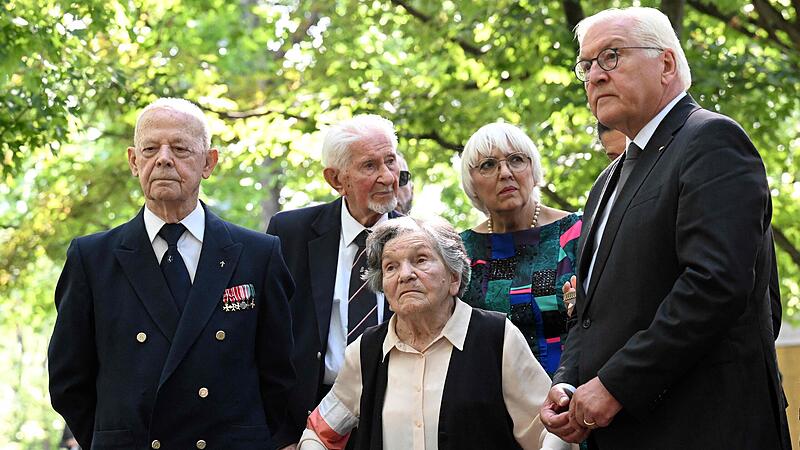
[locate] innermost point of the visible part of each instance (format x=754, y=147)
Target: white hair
x=336, y=146
x=441, y=235
x=650, y=27
x=508, y=139
x=179, y=105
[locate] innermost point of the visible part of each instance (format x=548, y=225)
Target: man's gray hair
x=650, y=27
x=179, y=105
x=443, y=239
x=339, y=138
x=508, y=139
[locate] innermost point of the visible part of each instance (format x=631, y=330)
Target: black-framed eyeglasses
x=607, y=59
x=405, y=177
x=516, y=162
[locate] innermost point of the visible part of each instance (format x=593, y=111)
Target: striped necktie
x=362, y=307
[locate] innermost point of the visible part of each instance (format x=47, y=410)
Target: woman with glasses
x=524, y=252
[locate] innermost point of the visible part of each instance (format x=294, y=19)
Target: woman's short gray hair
x=181, y=105
x=650, y=27
x=508, y=139
x=339, y=138
x=442, y=236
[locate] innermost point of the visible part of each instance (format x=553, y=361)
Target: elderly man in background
x=405, y=192
x=673, y=346
x=173, y=329
x=324, y=248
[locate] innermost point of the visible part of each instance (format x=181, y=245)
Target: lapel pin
x=169, y=258
x=222, y=264
x=661, y=148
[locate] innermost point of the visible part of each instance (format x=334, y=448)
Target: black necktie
x=172, y=265
x=631, y=156
x=362, y=307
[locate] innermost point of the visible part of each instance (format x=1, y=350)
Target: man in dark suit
x=323, y=246
x=673, y=346
x=173, y=329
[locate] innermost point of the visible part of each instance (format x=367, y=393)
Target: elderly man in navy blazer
x=173, y=329
x=324, y=248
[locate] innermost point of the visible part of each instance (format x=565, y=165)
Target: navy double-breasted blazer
x=128, y=371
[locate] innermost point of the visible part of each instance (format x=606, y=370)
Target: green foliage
x=271, y=76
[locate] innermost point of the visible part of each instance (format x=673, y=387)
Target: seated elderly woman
x=438, y=374
x=524, y=252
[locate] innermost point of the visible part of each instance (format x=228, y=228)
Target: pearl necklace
x=534, y=222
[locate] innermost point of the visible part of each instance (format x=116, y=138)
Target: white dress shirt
x=189, y=245
x=337, y=334
x=641, y=140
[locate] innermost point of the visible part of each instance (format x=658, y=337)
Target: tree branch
x=674, y=10
x=557, y=199
x=435, y=137
x=468, y=47
x=573, y=12
x=772, y=19
x=259, y=112
x=784, y=243
x=735, y=22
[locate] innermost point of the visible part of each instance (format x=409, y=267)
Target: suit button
x=587, y=322
x=155, y=444
x=319, y=356
x=220, y=335
x=203, y=392
x=201, y=444
x=141, y=337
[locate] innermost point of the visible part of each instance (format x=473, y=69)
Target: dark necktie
x=172, y=265
x=362, y=307
x=631, y=156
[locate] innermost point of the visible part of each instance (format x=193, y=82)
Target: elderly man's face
x=370, y=179
x=614, y=143
x=170, y=159
x=627, y=97
x=415, y=278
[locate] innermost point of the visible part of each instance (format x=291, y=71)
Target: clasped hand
x=590, y=407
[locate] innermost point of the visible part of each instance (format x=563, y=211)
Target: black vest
x=473, y=414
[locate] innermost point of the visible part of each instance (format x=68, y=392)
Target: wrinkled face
x=370, y=179
x=169, y=157
x=415, y=279
x=614, y=143
x=627, y=97
x=504, y=190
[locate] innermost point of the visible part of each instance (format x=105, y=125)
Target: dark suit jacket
x=676, y=321
x=310, y=243
x=118, y=388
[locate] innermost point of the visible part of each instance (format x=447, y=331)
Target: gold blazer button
x=201, y=444
x=141, y=337
x=203, y=392
x=220, y=335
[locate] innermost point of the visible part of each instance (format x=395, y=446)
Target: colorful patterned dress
x=521, y=274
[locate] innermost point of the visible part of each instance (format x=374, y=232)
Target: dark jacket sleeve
x=72, y=358
x=275, y=346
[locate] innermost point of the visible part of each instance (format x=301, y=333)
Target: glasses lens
x=517, y=162
x=582, y=68
x=607, y=59
x=487, y=166
x=404, y=177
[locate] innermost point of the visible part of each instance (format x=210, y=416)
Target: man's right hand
x=556, y=418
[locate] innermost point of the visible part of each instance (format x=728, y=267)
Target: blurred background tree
x=272, y=74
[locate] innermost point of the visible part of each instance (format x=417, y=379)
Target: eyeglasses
x=607, y=59
x=405, y=177
x=516, y=162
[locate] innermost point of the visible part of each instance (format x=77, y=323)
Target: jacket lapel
x=657, y=146
x=210, y=281
x=323, y=257
x=140, y=265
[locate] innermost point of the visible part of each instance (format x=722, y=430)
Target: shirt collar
x=351, y=227
x=195, y=222
x=647, y=132
x=455, y=330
